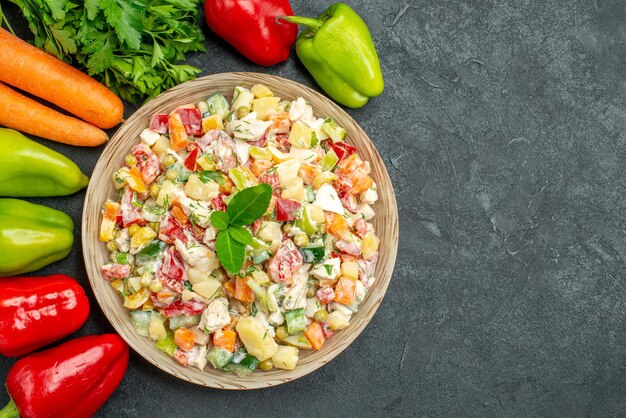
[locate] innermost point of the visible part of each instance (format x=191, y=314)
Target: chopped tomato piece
x=147, y=162
x=171, y=230
x=285, y=262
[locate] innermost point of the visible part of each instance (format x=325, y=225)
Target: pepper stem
x=10, y=410
x=314, y=24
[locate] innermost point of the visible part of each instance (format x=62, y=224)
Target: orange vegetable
x=308, y=171
x=178, y=135
x=258, y=167
x=24, y=114
x=225, y=338
x=184, y=338
x=110, y=210
x=315, y=335
x=178, y=213
x=357, y=171
x=137, y=183
x=30, y=69
x=337, y=225
x=243, y=291
x=344, y=291
x=229, y=287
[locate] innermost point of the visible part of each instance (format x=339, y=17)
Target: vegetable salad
x=240, y=234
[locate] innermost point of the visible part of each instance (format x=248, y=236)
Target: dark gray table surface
x=503, y=129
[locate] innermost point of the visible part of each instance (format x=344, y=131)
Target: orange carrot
x=225, y=338
x=26, y=115
x=344, y=291
x=230, y=288
x=31, y=69
x=315, y=335
x=243, y=291
x=184, y=338
x=178, y=213
x=337, y=225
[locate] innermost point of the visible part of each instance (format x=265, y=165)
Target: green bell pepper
x=338, y=51
x=32, y=236
x=30, y=169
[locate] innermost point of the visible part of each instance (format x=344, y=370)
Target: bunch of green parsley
x=132, y=46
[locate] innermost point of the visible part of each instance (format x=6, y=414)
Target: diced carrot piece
x=344, y=291
x=308, y=172
x=184, y=338
x=178, y=213
x=258, y=167
x=178, y=135
x=360, y=182
x=225, y=338
x=243, y=291
x=350, y=164
x=337, y=225
x=228, y=185
x=315, y=334
x=229, y=287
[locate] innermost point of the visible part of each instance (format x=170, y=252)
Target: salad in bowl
x=240, y=233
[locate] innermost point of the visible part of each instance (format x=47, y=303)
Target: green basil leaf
x=207, y=176
x=249, y=204
x=220, y=220
x=229, y=251
x=240, y=234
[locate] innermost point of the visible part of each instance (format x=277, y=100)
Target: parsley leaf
x=249, y=204
x=230, y=252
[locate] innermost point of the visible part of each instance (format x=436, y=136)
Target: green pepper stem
x=10, y=410
x=314, y=24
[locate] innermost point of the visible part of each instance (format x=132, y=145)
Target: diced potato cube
x=161, y=145
x=277, y=155
x=264, y=106
x=168, y=191
x=196, y=275
x=338, y=320
x=287, y=171
x=208, y=289
x=286, y=357
x=323, y=178
x=269, y=231
x=301, y=136
x=316, y=214
x=255, y=338
x=294, y=190
x=350, y=269
x=156, y=329
x=260, y=277
x=197, y=189
x=261, y=90
x=369, y=245
x=212, y=122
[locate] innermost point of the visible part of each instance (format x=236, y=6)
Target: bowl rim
x=138, y=343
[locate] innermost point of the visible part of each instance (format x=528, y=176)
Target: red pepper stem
x=314, y=24
x=10, y=410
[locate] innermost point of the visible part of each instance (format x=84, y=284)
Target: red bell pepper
x=251, y=27
x=71, y=380
x=35, y=311
x=286, y=209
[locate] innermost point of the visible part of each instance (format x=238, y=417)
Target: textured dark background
x=502, y=127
